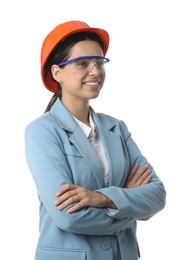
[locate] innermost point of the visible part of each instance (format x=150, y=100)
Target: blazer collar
x=68, y=123
x=63, y=116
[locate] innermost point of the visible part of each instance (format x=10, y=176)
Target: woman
x=92, y=181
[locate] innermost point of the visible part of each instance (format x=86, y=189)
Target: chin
x=93, y=96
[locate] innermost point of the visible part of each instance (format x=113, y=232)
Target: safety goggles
x=86, y=64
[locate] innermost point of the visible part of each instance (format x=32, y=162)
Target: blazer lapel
x=78, y=138
x=81, y=142
x=115, y=154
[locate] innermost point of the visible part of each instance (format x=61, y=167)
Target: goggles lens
x=86, y=64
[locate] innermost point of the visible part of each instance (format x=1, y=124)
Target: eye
x=100, y=62
x=82, y=63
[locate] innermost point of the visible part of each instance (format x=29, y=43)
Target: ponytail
x=57, y=94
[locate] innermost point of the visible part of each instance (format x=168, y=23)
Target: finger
x=134, y=168
x=143, y=168
x=65, y=196
x=147, y=180
x=68, y=202
x=143, y=178
x=64, y=189
x=76, y=207
x=77, y=201
x=140, y=172
x=133, y=171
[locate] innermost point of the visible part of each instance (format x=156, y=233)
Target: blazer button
x=106, y=245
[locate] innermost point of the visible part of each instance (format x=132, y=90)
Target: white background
x=146, y=86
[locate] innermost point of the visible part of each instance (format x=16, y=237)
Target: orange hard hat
x=58, y=34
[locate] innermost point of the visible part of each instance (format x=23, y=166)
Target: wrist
x=110, y=204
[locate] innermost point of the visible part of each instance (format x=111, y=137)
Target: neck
x=79, y=109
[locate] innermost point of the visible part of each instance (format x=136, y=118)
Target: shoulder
x=43, y=125
x=113, y=124
x=43, y=120
x=108, y=119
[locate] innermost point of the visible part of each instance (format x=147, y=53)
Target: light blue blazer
x=58, y=152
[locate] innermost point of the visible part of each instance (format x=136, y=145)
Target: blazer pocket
x=59, y=254
x=71, y=150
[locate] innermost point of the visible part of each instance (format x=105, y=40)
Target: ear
x=57, y=73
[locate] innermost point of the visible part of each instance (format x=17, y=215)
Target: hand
x=137, y=177
x=70, y=194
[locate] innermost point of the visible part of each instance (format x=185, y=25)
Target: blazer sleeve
x=139, y=203
x=49, y=169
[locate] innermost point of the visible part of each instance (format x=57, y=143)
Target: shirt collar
x=86, y=129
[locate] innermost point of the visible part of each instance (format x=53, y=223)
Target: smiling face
x=80, y=86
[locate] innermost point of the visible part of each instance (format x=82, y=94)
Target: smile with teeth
x=92, y=83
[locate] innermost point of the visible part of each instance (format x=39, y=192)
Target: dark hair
x=62, y=52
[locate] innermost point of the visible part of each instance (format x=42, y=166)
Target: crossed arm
x=80, y=197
